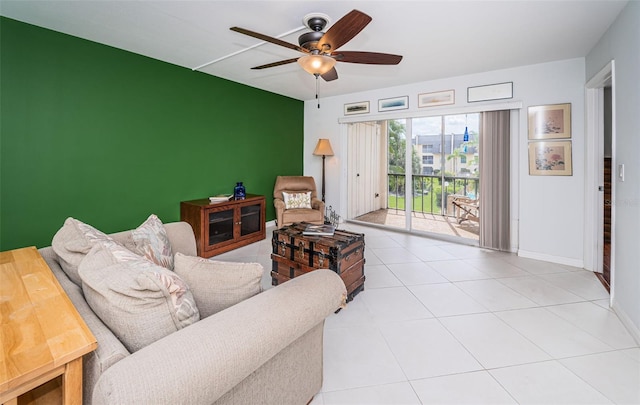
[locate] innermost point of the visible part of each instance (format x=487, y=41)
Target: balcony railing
x=429, y=193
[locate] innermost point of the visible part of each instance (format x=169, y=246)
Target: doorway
x=600, y=184
x=607, y=195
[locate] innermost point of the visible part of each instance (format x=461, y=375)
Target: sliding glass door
x=428, y=164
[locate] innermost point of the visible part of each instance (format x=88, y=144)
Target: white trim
x=408, y=189
x=626, y=321
x=614, y=165
x=394, y=115
x=550, y=258
x=602, y=77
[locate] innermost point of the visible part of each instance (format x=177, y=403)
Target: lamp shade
x=323, y=148
x=316, y=64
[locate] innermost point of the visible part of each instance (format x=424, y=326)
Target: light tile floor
x=441, y=323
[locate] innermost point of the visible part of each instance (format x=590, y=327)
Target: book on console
x=319, y=230
x=220, y=198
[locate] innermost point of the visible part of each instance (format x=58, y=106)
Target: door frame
x=594, y=173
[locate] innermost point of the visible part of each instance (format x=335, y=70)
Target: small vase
x=239, y=191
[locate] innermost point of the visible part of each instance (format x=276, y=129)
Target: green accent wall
x=109, y=137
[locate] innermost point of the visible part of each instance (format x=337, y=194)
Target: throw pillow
x=218, y=285
x=297, y=200
x=139, y=301
x=72, y=242
x=152, y=242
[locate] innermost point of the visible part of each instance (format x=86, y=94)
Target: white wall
x=549, y=209
x=622, y=44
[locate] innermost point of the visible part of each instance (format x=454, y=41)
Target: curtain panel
x=494, y=187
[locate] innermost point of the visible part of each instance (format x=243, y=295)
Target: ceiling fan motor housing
x=315, y=22
x=309, y=40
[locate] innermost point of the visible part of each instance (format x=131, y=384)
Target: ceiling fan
x=320, y=49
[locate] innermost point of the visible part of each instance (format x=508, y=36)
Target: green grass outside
x=420, y=204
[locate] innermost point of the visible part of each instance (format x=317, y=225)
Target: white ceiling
x=438, y=38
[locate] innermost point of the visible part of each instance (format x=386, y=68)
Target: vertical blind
x=494, y=187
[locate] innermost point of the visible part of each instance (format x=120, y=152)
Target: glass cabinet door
x=250, y=219
x=220, y=226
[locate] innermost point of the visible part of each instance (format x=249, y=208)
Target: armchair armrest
x=278, y=203
x=200, y=363
x=279, y=206
x=318, y=204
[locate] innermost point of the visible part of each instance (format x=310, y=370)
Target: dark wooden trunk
x=294, y=254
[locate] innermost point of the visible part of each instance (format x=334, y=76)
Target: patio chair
x=468, y=209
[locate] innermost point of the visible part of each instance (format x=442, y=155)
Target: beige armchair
x=297, y=184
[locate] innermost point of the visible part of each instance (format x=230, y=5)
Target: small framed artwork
x=550, y=121
x=490, y=92
x=361, y=107
x=550, y=158
x=436, y=98
x=395, y=103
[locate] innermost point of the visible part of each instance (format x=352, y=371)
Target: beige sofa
x=264, y=350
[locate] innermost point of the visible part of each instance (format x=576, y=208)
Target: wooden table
x=42, y=336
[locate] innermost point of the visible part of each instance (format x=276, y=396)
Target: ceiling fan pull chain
x=317, y=87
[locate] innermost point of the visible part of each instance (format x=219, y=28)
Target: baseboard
x=626, y=321
x=270, y=223
x=550, y=258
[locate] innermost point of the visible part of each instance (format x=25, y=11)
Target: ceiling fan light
x=316, y=64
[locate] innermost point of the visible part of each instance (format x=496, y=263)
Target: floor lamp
x=323, y=148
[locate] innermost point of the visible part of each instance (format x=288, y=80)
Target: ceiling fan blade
x=369, y=58
x=279, y=63
x=343, y=30
x=269, y=39
x=330, y=75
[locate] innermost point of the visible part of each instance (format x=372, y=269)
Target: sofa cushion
x=138, y=300
x=72, y=242
x=297, y=199
x=152, y=242
x=218, y=285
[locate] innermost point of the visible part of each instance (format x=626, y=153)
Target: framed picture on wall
x=396, y=103
x=550, y=121
x=550, y=158
x=490, y=92
x=436, y=98
x=361, y=107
